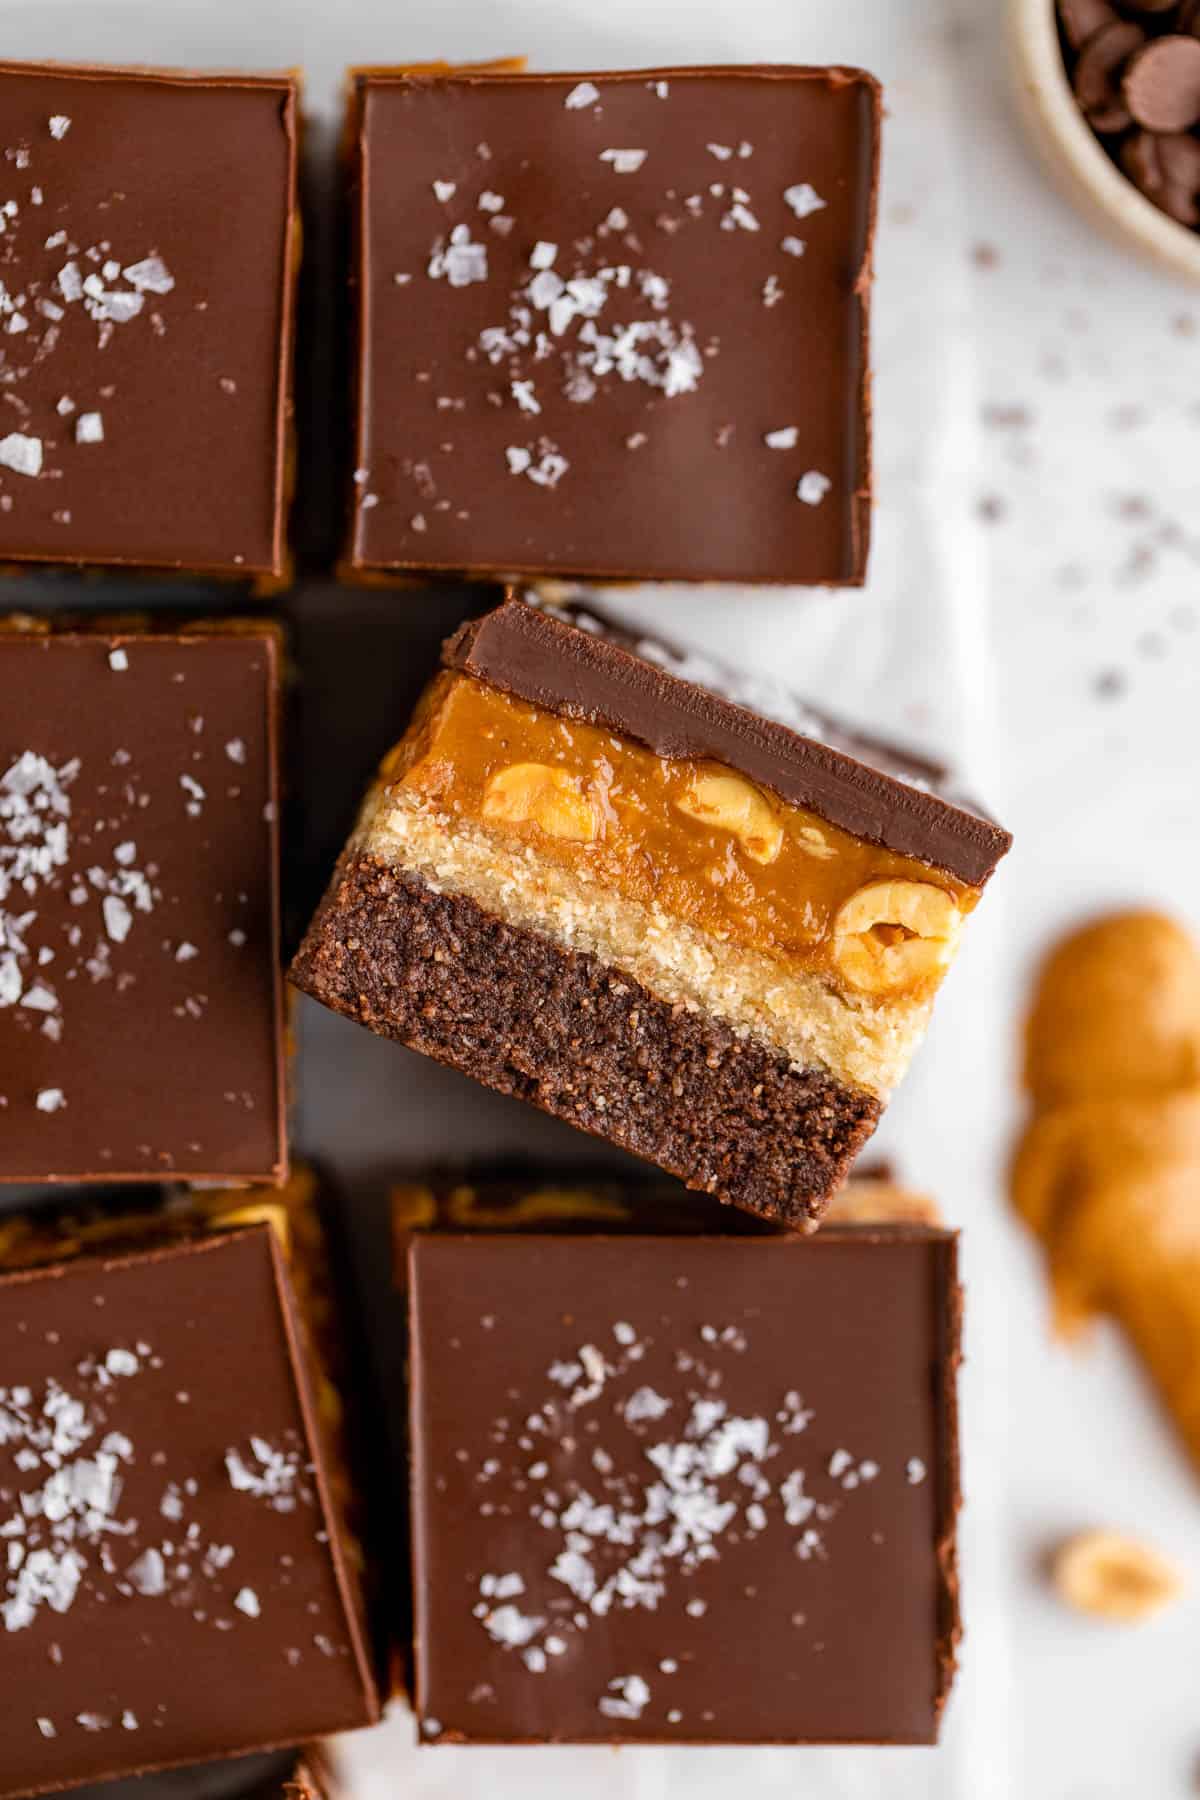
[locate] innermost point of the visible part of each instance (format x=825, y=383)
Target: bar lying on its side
x=689, y=929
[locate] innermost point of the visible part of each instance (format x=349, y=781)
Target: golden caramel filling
x=695, y=838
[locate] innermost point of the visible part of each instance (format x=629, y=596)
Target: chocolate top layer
x=149, y=253
x=589, y=675
x=279, y=1775
x=684, y=1488
x=140, y=1003
x=615, y=324
x=178, y=1592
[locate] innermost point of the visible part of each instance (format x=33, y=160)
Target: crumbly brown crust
x=583, y=1041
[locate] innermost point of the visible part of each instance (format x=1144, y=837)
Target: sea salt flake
x=445, y=190
x=585, y=93
x=722, y=152
x=785, y=438
x=624, y=162
x=50, y=1100
x=543, y=254
x=59, y=124
x=813, y=487
x=118, y=661
x=117, y=918
x=628, y=1699
x=793, y=246
x=247, y=1601
x=89, y=428
x=21, y=454
x=914, y=1470
x=150, y=276
x=803, y=199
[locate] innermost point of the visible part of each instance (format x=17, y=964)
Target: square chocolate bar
x=614, y=325
x=147, y=276
x=180, y=1580
x=140, y=993
x=684, y=1488
x=709, y=936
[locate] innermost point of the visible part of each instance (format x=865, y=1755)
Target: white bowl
x=1075, y=156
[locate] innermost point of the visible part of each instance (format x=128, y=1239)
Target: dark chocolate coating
x=243, y=1634
x=583, y=1041
x=193, y=391
x=525, y=1353
x=159, y=1026
x=280, y=1775
x=656, y=485
x=587, y=675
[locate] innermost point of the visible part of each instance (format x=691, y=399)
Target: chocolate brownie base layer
x=582, y=1041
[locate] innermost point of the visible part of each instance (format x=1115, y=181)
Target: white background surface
x=1034, y=611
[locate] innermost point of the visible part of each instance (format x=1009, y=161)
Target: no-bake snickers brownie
x=147, y=275
x=613, y=324
x=181, y=1580
x=697, y=932
x=141, y=1032
x=682, y=1488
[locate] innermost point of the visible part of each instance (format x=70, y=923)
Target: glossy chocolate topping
x=587, y=674
x=279, y=1775
x=149, y=256
x=684, y=1488
x=615, y=324
x=140, y=1006
x=177, y=1593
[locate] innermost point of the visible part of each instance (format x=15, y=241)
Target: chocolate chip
x=1082, y=19
x=1161, y=84
x=1167, y=170
x=1098, y=75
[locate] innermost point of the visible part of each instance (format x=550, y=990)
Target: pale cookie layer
x=862, y=1041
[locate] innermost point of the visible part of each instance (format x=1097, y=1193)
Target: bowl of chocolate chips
x=1111, y=93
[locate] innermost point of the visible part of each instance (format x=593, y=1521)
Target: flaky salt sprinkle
x=89, y=428
x=59, y=125
x=792, y=246
x=247, y=1601
x=118, y=661
x=624, y=162
x=445, y=190
x=914, y=1470
x=783, y=439
x=812, y=487
x=803, y=199
x=585, y=93
x=21, y=454
x=50, y=1100
x=628, y=1698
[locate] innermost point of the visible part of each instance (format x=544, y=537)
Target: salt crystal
x=803, y=199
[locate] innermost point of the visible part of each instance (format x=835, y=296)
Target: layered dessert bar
x=140, y=992
x=181, y=1581
x=147, y=275
x=638, y=298
x=702, y=934
x=681, y=1487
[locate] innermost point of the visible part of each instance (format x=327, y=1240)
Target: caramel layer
x=695, y=839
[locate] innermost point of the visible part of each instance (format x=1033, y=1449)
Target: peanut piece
x=536, y=793
x=731, y=804
x=892, y=935
x=1114, y=1577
